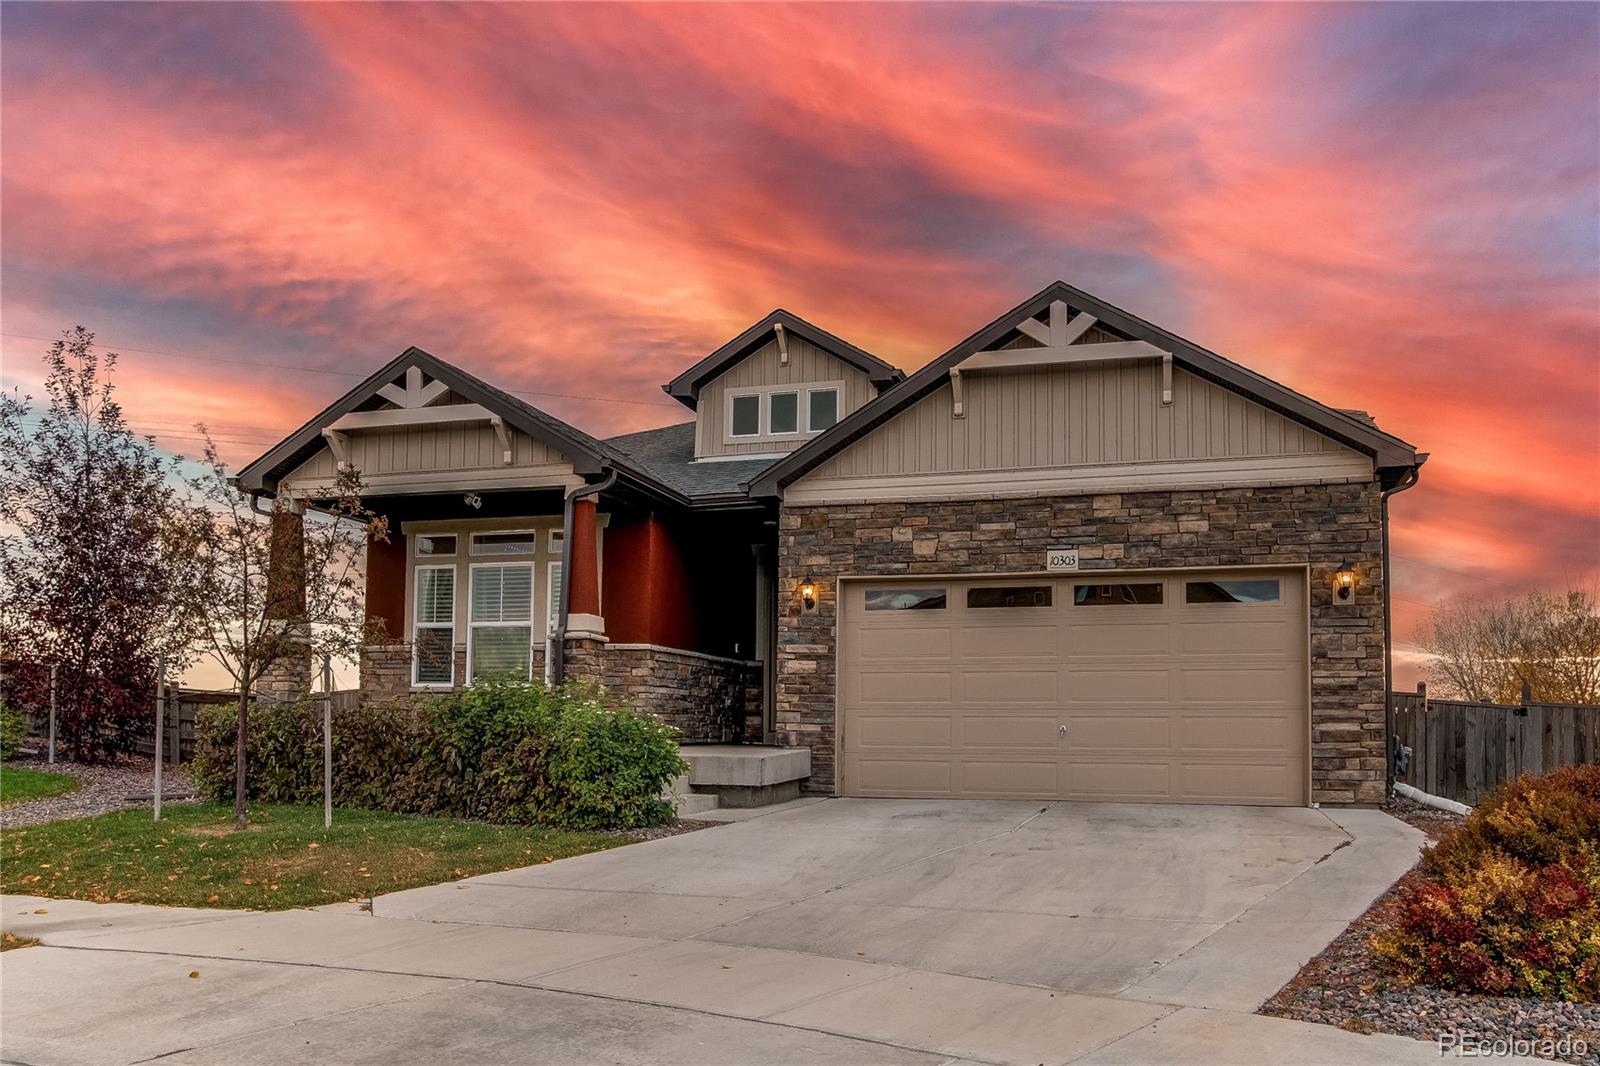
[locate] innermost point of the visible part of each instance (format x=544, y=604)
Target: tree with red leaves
x=93, y=556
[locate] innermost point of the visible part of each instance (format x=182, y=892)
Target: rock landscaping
x=106, y=788
x=1352, y=986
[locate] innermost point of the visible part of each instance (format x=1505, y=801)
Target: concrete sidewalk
x=844, y=931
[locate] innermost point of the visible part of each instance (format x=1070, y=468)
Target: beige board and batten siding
x=469, y=453
x=1077, y=428
x=1158, y=702
x=808, y=365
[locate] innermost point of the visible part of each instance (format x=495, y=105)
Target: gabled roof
x=686, y=386
x=1388, y=452
x=586, y=454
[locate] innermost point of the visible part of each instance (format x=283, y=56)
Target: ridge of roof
x=685, y=388
x=1387, y=450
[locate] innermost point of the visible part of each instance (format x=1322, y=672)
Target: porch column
x=289, y=677
x=583, y=598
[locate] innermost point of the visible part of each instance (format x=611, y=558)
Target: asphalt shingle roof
x=667, y=454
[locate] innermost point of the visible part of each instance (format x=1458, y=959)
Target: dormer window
x=782, y=412
x=746, y=420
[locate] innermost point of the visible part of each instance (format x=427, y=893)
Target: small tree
x=93, y=554
x=1487, y=650
x=251, y=620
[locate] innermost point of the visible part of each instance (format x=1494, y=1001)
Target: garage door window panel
x=1138, y=594
x=906, y=599
x=1250, y=590
x=987, y=597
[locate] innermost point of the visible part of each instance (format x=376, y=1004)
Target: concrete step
x=747, y=775
x=695, y=803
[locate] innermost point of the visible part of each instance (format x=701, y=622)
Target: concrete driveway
x=827, y=931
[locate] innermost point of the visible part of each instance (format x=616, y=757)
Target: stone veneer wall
x=706, y=697
x=1315, y=525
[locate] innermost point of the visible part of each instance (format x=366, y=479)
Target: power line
x=119, y=348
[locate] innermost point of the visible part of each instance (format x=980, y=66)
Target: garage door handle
x=1063, y=730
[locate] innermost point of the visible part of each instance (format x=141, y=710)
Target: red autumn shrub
x=1510, y=900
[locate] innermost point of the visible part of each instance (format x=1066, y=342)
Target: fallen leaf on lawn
x=44, y=866
x=209, y=899
x=313, y=844
x=172, y=877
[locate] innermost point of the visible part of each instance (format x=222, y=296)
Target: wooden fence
x=179, y=731
x=1462, y=750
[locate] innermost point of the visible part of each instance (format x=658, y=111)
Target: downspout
x=1404, y=483
x=556, y=648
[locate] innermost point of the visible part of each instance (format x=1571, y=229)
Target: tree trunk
x=239, y=746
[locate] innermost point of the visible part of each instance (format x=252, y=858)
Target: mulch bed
x=105, y=789
x=1348, y=986
x=676, y=827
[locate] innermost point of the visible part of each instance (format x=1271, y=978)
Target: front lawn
x=193, y=857
x=18, y=785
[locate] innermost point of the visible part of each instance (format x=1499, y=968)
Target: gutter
x=555, y=658
x=1406, y=481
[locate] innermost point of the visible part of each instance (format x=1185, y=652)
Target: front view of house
x=1074, y=557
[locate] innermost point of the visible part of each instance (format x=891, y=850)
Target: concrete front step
x=747, y=775
x=695, y=803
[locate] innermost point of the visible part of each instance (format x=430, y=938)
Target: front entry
x=1176, y=687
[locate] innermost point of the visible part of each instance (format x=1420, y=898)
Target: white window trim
x=838, y=398
x=802, y=391
x=416, y=548
x=555, y=540
x=416, y=600
x=531, y=623
x=472, y=543
x=550, y=569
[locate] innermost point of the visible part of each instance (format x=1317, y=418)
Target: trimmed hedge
x=1509, y=900
x=509, y=753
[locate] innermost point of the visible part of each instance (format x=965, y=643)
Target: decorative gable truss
x=418, y=401
x=1058, y=345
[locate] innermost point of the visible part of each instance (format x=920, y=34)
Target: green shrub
x=1509, y=900
x=13, y=731
x=513, y=753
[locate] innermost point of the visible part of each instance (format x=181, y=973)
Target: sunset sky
x=1390, y=207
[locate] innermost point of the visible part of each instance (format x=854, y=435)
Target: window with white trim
x=822, y=409
x=552, y=586
x=506, y=542
x=557, y=539
x=433, y=658
x=745, y=420
x=782, y=412
x=500, y=621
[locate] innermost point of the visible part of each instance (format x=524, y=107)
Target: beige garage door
x=1187, y=687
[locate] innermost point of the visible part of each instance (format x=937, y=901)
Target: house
x=1075, y=556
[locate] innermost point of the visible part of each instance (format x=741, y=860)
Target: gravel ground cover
x=105, y=789
x=657, y=832
x=1348, y=986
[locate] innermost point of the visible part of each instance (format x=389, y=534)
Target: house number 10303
x=1061, y=559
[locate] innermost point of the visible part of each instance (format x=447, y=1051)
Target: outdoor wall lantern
x=808, y=594
x=1344, y=582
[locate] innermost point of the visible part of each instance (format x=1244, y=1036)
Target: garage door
x=1187, y=687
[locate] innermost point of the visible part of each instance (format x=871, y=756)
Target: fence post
x=161, y=723
x=327, y=742
x=50, y=756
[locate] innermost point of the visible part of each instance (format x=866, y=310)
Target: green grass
x=18, y=785
x=194, y=857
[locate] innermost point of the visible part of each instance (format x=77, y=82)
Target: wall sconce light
x=1344, y=582
x=808, y=594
